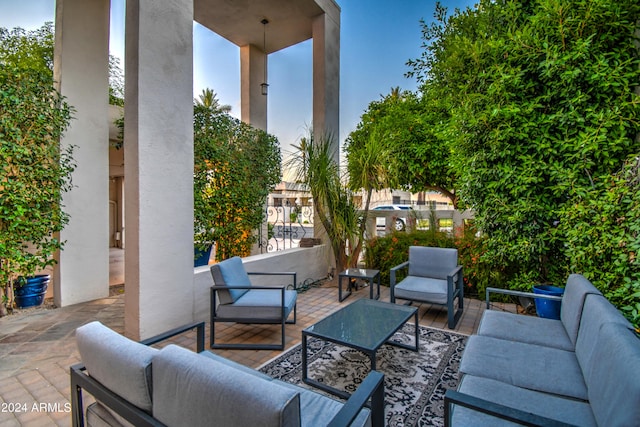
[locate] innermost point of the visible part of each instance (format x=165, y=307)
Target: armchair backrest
x=436, y=263
x=230, y=272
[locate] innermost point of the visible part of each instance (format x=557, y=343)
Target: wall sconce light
x=264, y=86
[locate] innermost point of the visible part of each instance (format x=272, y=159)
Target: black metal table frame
x=348, y=275
x=369, y=352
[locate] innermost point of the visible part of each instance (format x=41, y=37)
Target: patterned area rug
x=415, y=383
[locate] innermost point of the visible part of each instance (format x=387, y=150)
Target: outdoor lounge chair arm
x=277, y=273
x=80, y=380
x=198, y=326
x=497, y=410
x=455, y=271
x=395, y=269
x=372, y=387
x=278, y=287
x=518, y=294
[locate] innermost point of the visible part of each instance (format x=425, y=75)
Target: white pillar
x=252, y=75
x=81, y=61
x=158, y=145
x=326, y=77
x=326, y=90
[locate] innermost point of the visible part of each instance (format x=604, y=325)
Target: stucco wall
x=308, y=263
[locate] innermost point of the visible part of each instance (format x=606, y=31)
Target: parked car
x=400, y=223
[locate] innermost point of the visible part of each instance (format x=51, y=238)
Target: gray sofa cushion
x=191, y=390
x=573, y=300
x=597, y=310
x=527, y=329
x=560, y=334
x=236, y=365
x=432, y=262
x=561, y=409
x=524, y=365
x=120, y=364
x=230, y=272
x=317, y=409
x=260, y=304
x=614, y=376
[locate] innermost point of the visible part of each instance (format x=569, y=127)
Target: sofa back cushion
x=230, y=272
x=597, y=310
x=575, y=292
x=192, y=390
x=436, y=263
x=613, y=380
x=120, y=364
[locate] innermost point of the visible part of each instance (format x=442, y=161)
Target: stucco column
x=252, y=75
x=326, y=90
x=158, y=144
x=81, y=64
x=326, y=77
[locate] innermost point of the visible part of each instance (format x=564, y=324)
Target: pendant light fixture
x=264, y=86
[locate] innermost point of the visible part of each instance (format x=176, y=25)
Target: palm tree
x=334, y=205
x=208, y=99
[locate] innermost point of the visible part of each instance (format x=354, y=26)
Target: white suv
x=400, y=223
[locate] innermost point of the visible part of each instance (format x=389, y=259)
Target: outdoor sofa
x=580, y=370
x=135, y=384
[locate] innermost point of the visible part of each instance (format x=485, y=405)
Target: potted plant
x=35, y=170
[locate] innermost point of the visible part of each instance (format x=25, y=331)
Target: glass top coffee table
x=365, y=326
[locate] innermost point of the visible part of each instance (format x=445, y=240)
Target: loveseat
x=136, y=384
x=580, y=370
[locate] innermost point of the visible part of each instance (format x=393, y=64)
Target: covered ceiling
x=239, y=21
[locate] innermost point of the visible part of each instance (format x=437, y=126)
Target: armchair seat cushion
x=260, y=304
x=422, y=289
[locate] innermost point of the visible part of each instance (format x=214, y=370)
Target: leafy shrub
x=601, y=230
x=235, y=167
x=36, y=171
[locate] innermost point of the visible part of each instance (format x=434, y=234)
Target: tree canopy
x=531, y=111
x=412, y=155
x=543, y=109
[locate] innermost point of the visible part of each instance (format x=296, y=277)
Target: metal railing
x=284, y=227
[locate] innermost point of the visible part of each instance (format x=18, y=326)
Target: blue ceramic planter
x=547, y=308
x=31, y=293
x=202, y=257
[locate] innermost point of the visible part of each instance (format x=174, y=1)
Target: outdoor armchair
x=235, y=299
x=434, y=277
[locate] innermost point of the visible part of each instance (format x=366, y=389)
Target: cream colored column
x=252, y=74
x=81, y=61
x=158, y=144
x=326, y=76
x=326, y=90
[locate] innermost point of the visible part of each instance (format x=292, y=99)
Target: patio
x=38, y=346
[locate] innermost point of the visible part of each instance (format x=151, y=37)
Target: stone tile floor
x=38, y=346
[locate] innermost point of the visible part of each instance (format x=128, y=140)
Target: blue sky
x=377, y=38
